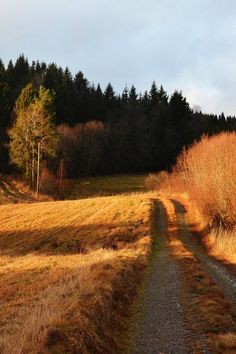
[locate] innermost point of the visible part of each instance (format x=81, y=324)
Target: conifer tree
x=125, y=95
x=109, y=93
x=179, y=107
x=162, y=96
x=133, y=94
x=153, y=94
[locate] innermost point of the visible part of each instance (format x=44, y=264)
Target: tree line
x=93, y=131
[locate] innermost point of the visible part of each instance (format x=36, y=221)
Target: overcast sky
x=182, y=44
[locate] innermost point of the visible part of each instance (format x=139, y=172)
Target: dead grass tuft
x=224, y=342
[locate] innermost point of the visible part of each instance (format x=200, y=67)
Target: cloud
x=188, y=45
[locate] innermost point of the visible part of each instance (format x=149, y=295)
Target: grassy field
x=68, y=272
x=107, y=185
x=14, y=190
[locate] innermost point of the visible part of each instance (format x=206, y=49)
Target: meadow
x=106, y=185
x=69, y=271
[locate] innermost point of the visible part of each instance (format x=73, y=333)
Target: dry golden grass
x=224, y=343
x=206, y=172
x=221, y=244
x=68, y=273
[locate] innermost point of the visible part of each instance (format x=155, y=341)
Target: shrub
x=54, y=186
x=154, y=180
x=208, y=171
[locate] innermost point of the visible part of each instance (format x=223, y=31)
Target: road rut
x=160, y=322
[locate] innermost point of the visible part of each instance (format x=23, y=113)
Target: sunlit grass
x=68, y=270
x=206, y=173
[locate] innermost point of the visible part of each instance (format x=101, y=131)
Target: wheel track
x=225, y=280
x=160, y=319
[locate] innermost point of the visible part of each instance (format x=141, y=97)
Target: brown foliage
x=55, y=186
x=206, y=172
x=154, y=180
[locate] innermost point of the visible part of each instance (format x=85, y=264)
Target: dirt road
x=165, y=320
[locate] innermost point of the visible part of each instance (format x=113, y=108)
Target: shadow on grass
x=68, y=240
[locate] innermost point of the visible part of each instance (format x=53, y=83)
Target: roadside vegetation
x=206, y=175
x=69, y=271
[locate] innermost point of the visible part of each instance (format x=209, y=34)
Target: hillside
x=12, y=191
x=81, y=277
x=15, y=190
x=67, y=270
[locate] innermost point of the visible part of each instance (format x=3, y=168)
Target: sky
x=188, y=45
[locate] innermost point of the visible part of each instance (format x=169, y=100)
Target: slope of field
x=10, y=192
x=68, y=272
x=14, y=190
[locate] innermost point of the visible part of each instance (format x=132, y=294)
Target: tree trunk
x=38, y=169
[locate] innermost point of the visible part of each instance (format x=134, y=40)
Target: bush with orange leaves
x=208, y=172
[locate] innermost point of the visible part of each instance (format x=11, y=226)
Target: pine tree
x=110, y=101
x=162, y=96
x=125, y=95
x=153, y=94
x=179, y=107
x=145, y=97
x=133, y=94
x=109, y=93
x=82, y=109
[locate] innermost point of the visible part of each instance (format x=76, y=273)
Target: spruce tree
x=125, y=95
x=109, y=93
x=153, y=94
x=133, y=94
x=162, y=96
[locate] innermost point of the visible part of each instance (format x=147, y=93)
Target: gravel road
x=160, y=326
